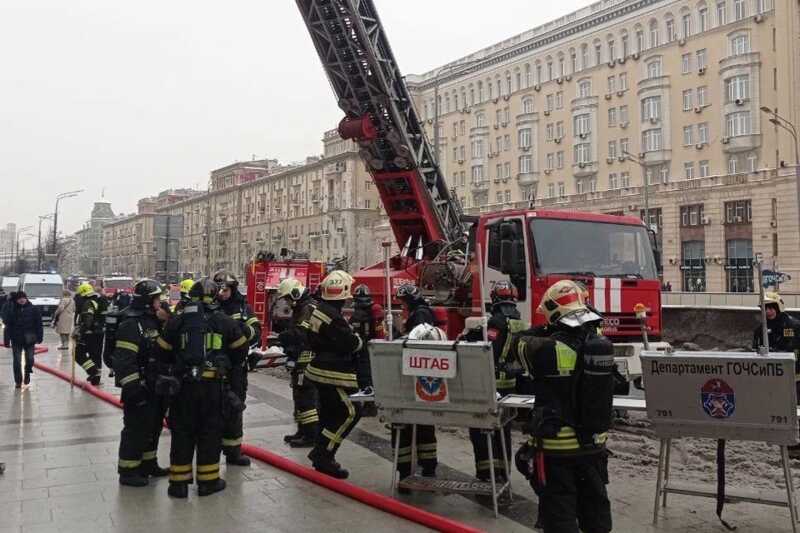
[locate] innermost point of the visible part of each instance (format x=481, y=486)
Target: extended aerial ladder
x=380, y=117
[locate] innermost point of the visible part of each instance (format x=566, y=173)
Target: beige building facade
x=579, y=112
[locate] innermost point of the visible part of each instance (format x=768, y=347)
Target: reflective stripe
x=238, y=342
x=204, y=469
x=566, y=358
x=209, y=374
x=337, y=379
x=163, y=344
x=229, y=443
x=321, y=316
x=236, y=316
x=129, y=379
x=427, y=455
x=125, y=345
x=427, y=447
x=208, y=477
x=305, y=357
x=129, y=463
x=180, y=477
x=351, y=416
x=180, y=468
x=331, y=437
x=88, y=365
x=252, y=320
x=213, y=341
x=149, y=456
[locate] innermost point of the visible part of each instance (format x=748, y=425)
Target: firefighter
x=185, y=287
x=503, y=324
x=135, y=362
x=113, y=316
x=233, y=304
x=88, y=334
x=572, y=368
x=332, y=369
x=367, y=322
x=201, y=345
x=418, y=312
x=295, y=345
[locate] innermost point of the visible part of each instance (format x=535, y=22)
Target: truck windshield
x=43, y=290
x=593, y=249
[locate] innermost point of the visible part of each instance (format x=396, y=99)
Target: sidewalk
x=60, y=448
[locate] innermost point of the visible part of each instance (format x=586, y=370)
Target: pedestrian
x=22, y=332
x=64, y=319
x=565, y=458
x=332, y=369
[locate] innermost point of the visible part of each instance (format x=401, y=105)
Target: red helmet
x=504, y=291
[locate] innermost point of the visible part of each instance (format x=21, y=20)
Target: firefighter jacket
x=92, y=318
x=237, y=308
x=136, y=348
x=572, y=370
x=293, y=338
x=367, y=321
x=334, y=345
x=419, y=313
x=222, y=342
x=504, y=323
x=784, y=336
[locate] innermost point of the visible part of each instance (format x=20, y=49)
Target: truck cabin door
x=505, y=259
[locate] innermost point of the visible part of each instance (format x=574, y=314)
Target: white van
x=43, y=290
x=9, y=284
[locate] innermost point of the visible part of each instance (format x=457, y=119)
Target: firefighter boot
x=303, y=441
x=151, y=468
x=178, y=490
x=211, y=487
x=296, y=435
x=323, y=462
x=94, y=379
x=133, y=479
x=235, y=458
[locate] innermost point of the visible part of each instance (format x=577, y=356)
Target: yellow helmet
x=565, y=302
x=774, y=298
x=291, y=287
x=336, y=286
x=186, y=286
x=85, y=289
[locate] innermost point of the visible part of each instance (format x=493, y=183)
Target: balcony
x=656, y=157
x=581, y=170
x=479, y=186
x=649, y=84
x=741, y=61
x=740, y=143
x=528, y=178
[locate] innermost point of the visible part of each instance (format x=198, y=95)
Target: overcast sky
x=131, y=98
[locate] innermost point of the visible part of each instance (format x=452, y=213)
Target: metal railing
x=722, y=300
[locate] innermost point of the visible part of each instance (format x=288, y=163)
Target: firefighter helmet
x=565, y=302
x=85, y=289
x=504, y=291
x=408, y=292
x=186, y=286
x=362, y=296
x=223, y=278
x=204, y=290
x=292, y=288
x=144, y=291
x=773, y=298
x=427, y=332
x=336, y=286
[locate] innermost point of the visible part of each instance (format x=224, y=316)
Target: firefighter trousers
x=195, y=421
x=108, y=351
x=141, y=431
x=481, y=449
x=304, y=395
x=233, y=424
x=337, y=417
x=426, y=449
x=364, y=370
x=89, y=353
x=574, y=498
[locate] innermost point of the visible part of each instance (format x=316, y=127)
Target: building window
x=562, y=190
x=688, y=135
x=740, y=44
x=560, y=100
x=722, y=13
x=583, y=153
x=701, y=96
x=613, y=181
x=612, y=149
x=612, y=52
x=670, y=30
x=738, y=212
x=651, y=108
x=582, y=125
x=737, y=88
x=702, y=19
x=654, y=37
x=551, y=190
x=651, y=140
x=598, y=54
x=739, y=265
x=527, y=105
x=612, y=117
x=623, y=81
x=612, y=84
x=693, y=266
x=625, y=46
x=687, y=25
x=480, y=120
x=704, y=169
x=477, y=148
x=550, y=162
x=525, y=164
x=524, y=138
x=688, y=170
x=702, y=58
x=573, y=62
x=477, y=174
x=560, y=159
x=584, y=89
x=625, y=180
x=739, y=9
x=584, y=56
x=692, y=215
x=654, y=68
x=686, y=63
x=737, y=124
x=623, y=146
x=702, y=133
x=752, y=163
x=688, y=99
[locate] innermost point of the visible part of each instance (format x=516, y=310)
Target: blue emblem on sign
x=719, y=400
x=431, y=389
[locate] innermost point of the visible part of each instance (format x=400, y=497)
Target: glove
x=134, y=394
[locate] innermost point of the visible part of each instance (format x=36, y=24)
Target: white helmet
x=427, y=332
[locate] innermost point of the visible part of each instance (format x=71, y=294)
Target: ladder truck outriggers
x=614, y=257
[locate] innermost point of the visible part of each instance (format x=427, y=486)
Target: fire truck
x=116, y=283
x=442, y=250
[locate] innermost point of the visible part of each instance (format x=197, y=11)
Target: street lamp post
x=646, y=185
x=60, y=197
x=39, y=254
x=16, y=255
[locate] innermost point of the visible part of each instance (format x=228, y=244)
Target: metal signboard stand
x=467, y=398
x=724, y=396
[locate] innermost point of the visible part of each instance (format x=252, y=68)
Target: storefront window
x=693, y=266
x=739, y=265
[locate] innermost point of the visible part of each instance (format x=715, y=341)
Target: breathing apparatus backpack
x=200, y=347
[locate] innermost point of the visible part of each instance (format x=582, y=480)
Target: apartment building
x=581, y=112
x=326, y=207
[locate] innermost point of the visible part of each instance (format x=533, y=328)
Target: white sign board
x=429, y=363
x=721, y=395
